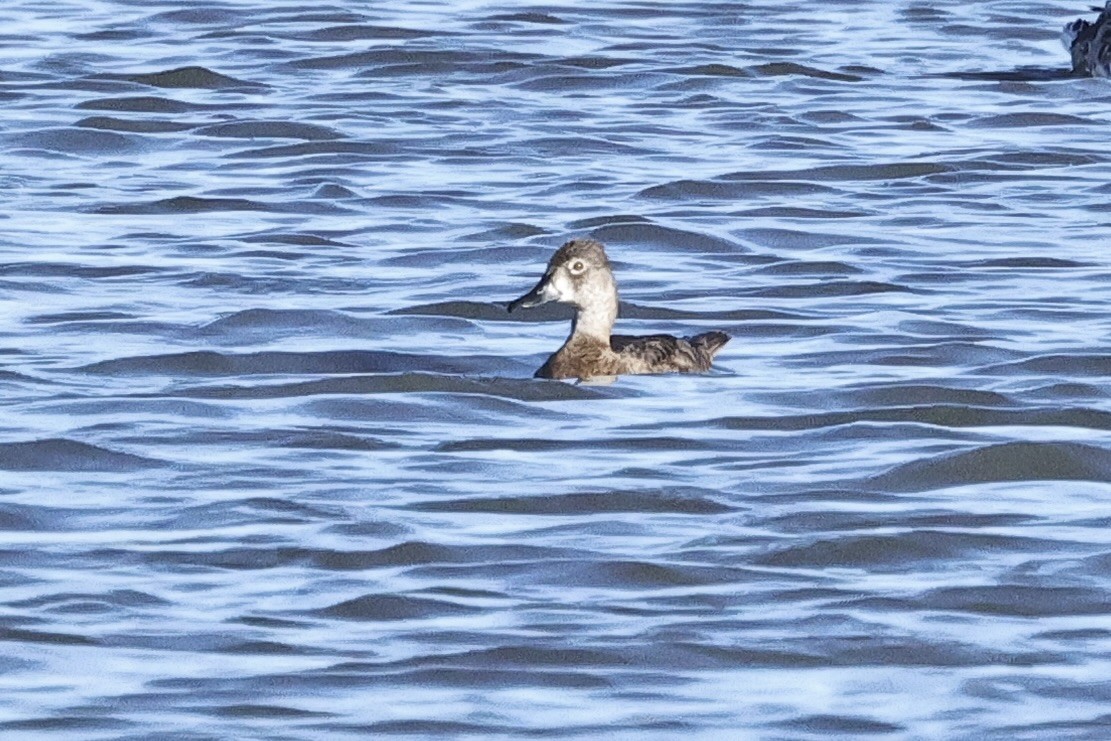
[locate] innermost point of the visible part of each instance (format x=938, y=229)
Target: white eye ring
x=577, y=267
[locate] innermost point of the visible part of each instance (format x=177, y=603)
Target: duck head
x=579, y=274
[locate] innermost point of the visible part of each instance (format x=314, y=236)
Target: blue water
x=273, y=464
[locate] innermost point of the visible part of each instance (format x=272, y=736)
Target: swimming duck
x=579, y=274
x=1090, y=44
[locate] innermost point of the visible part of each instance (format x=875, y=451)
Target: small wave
x=269, y=130
x=403, y=383
x=61, y=454
x=846, y=173
x=68, y=270
x=636, y=574
x=795, y=212
x=1028, y=120
x=598, y=62
x=390, y=607
x=934, y=329
x=921, y=395
x=283, y=438
x=425, y=61
x=497, y=255
x=555, y=146
x=833, y=288
x=824, y=522
x=354, y=149
x=20, y=517
x=300, y=239
x=784, y=143
x=114, y=35
x=793, y=239
x=1018, y=461
x=1021, y=74
x=678, y=500
x=929, y=549
x=362, y=32
x=332, y=192
x=79, y=316
x=645, y=235
x=1042, y=158
x=258, y=711
x=21, y=378
x=185, y=77
x=212, y=363
x=615, y=219
x=146, y=126
x=78, y=141
x=88, y=601
x=413, y=371
x=939, y=354
x=286, y=320
x=732, y=191
x=411, y=554
x=709, y=70
x=1016, y=600
x=205, y=16
x=264, y=509
x=1071, y=391
x=141, y=104
x=1030, y=262
x=955, y=415
x=537, y=17
x=508, y=232
x=808, y=268
x=1059, y=365
x=781, y=69
x=537, y=444
x=840, y=726
x=187, y=205
x=46, y=637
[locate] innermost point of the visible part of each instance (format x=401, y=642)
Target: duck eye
x=577, y=266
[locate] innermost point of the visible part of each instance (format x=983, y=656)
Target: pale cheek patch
x=562, y=286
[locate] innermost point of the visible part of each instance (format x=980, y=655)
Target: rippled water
x=272, y=462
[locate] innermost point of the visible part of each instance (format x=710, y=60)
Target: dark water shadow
x=1019, y=74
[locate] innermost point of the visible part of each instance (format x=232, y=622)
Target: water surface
x=272, y=462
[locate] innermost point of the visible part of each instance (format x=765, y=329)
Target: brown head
x=579, y=274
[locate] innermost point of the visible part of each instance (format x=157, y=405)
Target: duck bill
x=541, y=293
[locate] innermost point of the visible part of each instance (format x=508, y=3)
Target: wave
x=217, y=364
x=184, y=77
x=268, y=130
x=676, y=500
x=79, y=141
x=1015, y=461
x=61, y=454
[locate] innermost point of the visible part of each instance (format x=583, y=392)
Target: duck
x=580, y=274
x=1089, y=42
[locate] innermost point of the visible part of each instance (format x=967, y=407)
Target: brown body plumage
x=580, y=274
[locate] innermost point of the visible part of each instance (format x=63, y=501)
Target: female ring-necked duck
x=1089, y=42
x=579, y=274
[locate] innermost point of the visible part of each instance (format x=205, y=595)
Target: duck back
x=662, y=353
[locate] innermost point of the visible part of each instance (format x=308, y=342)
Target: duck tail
x=709, y=343
x=1071, y=32
x=1089, y=42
